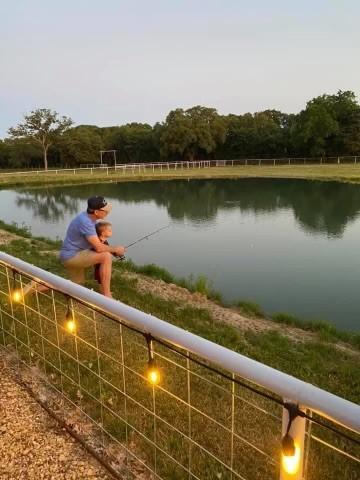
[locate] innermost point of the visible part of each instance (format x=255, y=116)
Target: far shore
x=339, y=173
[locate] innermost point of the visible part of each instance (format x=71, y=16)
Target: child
x=104, y=231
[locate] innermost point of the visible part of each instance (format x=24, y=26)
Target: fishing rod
x=145, y=237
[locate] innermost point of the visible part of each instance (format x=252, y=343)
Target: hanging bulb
x=290, y=455
x=288, y=446
x=70, y=323
x=16, y=296
x=153, y=373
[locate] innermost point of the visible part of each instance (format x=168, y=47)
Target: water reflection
x=48, y=204
x=319, y=207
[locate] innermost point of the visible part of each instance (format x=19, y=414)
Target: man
x=82, y=248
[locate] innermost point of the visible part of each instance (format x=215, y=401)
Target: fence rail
x=167, y=166
x=176, y=405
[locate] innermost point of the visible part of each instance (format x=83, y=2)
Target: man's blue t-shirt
x=81, y=227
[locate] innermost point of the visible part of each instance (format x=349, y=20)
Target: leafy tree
x=43, y=127
x=329, y=125
x=135, y=142
x=193, y=132
x=80, y=145
x=4, y=154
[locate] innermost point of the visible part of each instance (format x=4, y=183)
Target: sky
x=111, y=62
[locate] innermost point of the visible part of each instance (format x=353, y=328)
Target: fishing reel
x=119, y=258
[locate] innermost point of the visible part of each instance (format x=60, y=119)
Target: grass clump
x=22, y=230
x=326, y=331
x=200, y=284
x=251, y=309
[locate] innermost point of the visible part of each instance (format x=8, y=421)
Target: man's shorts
x=76, y=265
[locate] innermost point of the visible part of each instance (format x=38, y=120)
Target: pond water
x=289, y=245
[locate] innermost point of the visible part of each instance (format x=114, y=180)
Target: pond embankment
x=310, y=355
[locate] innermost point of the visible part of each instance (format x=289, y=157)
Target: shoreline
x=337, y=173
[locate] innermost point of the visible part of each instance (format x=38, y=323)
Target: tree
x=135, y=142
x=328, y=126
x=80, y=145
x=193, y=132
x=41, y=126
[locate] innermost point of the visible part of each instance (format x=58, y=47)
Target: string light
x=291, y=458
x=153, y=374
x=70, y=323
x=16, y=296
x=16, y=293
x=291, y=454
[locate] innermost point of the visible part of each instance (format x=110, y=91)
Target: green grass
x=344, y=173
x=250, y=309
x=199, y=284
x=327, y=331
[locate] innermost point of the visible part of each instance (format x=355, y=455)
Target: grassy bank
x=316, y=361
x=326, y=331
x=320, y=353
x=343, y=173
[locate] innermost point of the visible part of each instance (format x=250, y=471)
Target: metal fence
x=164, y=167
x=164, y=403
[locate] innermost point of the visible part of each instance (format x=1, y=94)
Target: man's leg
x=86, y=259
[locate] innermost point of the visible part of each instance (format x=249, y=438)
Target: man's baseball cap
x=99, y=203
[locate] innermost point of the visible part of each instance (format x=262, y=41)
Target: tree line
x=329, y=125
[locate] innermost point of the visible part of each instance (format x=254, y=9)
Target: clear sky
x=109, y=62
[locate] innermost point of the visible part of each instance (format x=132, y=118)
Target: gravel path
x=33, y=446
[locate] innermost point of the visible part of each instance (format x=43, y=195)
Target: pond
x=289, y=245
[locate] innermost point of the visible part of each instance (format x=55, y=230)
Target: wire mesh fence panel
x=188, y=419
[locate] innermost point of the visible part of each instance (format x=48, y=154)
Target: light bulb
x=70, y=323
x=17, y=296
x=291, y=463
x=70, y=326
x=153, y=373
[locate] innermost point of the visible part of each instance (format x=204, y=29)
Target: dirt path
x=32, y=445
x=7, y=237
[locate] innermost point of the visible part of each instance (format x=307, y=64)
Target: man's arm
x=101, y=247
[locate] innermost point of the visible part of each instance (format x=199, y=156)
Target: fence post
x=338, y=160
x=355, y=159
x=291, y=466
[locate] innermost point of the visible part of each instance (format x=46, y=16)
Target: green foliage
x=191, y=133
x=198, y=284
x=250, y=309
x=80, y=145
x=22, y=230
x=326, y=330
x=42, y=126
x=328, y=126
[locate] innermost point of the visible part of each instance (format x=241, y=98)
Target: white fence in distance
x=164, y=167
